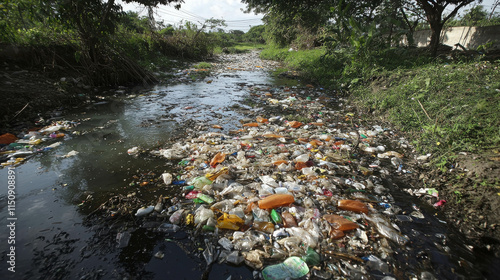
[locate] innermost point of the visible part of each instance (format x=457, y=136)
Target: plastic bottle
x=291, y=268
x=176, y=217
x=35, y=142
x=340, y=223
x=278, y=162
x=295, y=124
x=192, y=194
x=213, y=176
x=302, y=158
x=263, y=226
x=353, y=205
x=336, y=234
x=205, y=198
x=300, y=165
x=167, y=178
x=179, y=182
x=218, y=158
x=288, y=220
x=260, y=215
x=261, y=119
x=251, y=124
x=202, y=215
x=144, y=211
x=200, y=182
x=271, y=135
x=312, y=258
x=276, y=217
x=229, y=221
x=276, y=200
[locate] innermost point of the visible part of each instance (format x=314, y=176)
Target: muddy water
x=54, y=193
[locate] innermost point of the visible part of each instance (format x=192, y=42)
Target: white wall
x=468, y=36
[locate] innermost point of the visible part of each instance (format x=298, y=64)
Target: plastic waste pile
x=16, y=149
x=288, y=198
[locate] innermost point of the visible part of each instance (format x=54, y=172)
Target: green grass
x=313, y=65
x=202, y=65
x=445, y=106
x=450, y=107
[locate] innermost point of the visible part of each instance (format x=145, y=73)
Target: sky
x=198, y=11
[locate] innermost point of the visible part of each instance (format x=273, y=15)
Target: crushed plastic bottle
x=276, y=200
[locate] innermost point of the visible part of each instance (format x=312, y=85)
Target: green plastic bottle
x=276, y=217
x=312, y=258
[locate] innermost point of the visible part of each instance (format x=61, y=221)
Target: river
x=54, y=193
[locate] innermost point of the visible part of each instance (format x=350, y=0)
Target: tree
x=434, y=11
x=255, y=34
x=475, y=15
x=293, y=20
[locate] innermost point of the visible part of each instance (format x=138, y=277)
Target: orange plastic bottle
x=336, y=234
x=294, y=124
x=251, y=124
x=340, y=223
x=218, y=158
x=299, y=165
x=353, y=205
x=261, y=119
x=315, y=142
x=279, y=162
x=276, y=200
x=270, y=135
x=317, y=123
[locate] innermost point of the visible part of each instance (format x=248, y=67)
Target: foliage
x=453, y=106
x=292, y=22
x=255, y=34
x=476, y=16
x=203, y=65
x=434, y=11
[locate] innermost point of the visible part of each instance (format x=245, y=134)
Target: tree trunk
x=436, y=28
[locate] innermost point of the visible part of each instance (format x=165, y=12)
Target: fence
x=470, y=37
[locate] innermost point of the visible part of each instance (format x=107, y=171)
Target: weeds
x=203, y=65
x=448, y=106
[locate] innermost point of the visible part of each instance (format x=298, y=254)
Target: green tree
x=434, y=11
x=255, y=34
x=475, y=15
x=289, y=21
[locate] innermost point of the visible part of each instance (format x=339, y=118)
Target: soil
x=30, y=94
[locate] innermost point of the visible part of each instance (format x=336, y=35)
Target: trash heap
x=288, y=198
x=16, y=149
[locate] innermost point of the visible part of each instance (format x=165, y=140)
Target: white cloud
x=197, y=10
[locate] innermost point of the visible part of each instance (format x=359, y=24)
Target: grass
x=448, y=107
x=202, y=65
x=445, y=106
x=313, y=64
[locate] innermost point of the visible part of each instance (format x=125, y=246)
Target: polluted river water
x=77, y=205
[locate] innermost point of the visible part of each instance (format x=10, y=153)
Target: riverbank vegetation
x=102, y=44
